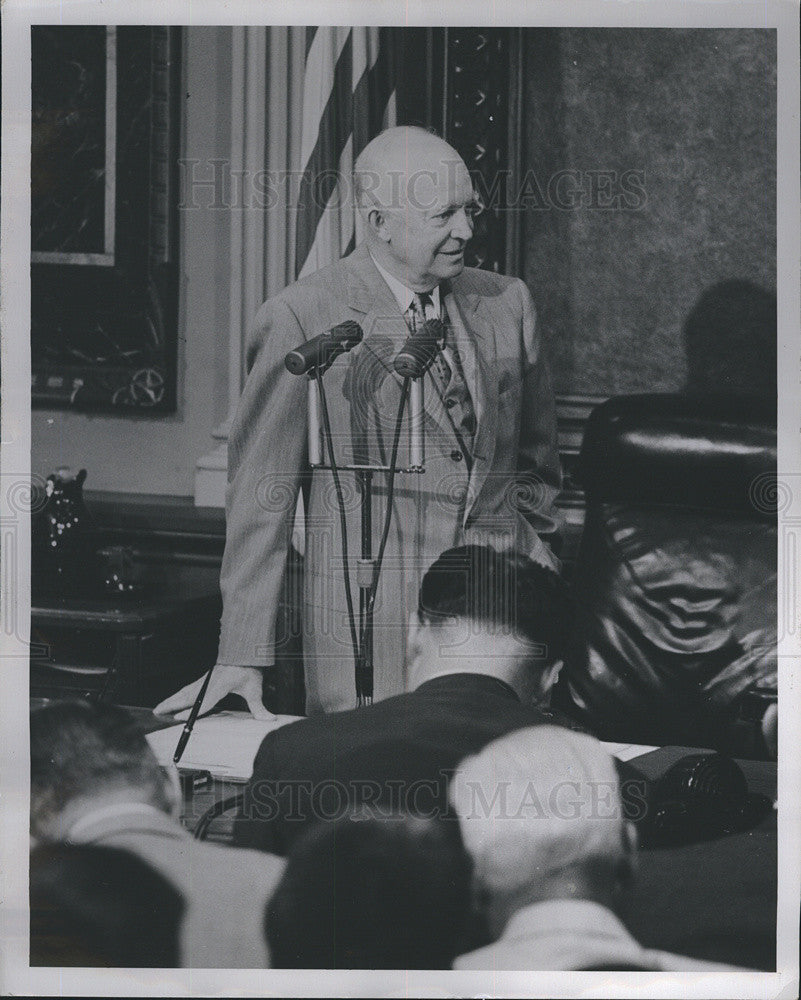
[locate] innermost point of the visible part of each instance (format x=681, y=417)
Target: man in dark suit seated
x=485, y=649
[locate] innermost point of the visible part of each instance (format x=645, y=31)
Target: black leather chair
x=675, y=578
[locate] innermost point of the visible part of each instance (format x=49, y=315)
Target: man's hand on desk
x=225, y=679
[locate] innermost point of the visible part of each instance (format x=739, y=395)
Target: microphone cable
x=342, y=518
x=393, y=463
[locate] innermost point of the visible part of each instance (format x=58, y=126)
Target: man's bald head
x=397, y=161
x=416, y=198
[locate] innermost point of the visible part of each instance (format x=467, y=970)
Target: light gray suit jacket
x=501, y=494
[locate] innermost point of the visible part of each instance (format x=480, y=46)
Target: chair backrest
x=675, y=578
x=230, y=803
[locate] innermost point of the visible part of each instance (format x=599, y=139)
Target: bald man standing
x=491, y=462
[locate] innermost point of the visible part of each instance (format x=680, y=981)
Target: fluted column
x=266, y=88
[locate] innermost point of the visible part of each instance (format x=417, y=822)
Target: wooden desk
x=130, y=652
x=714, y=900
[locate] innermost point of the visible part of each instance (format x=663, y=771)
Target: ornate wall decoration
x=481, y=86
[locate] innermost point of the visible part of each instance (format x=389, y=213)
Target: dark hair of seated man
x=492, y=612
x=101, y=907
x=372, y=894
x=501, y=588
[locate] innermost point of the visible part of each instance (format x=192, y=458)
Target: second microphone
x=420, y=350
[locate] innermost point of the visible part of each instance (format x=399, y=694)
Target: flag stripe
x=319, y=176
x=346, y=207
x=361, y=109
x=311, y=30
x=324, y=57
x=390, y=112
x=334, y=231
x=382, y=83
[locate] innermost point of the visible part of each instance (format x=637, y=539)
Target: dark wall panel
x=617, y=262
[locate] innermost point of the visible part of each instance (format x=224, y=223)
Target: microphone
x=413, y=361
x=418, y=353
x=321, y=351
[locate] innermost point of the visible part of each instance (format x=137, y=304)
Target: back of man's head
x=372, y=894
x=541, y=816
x=83, y=753
x=481, y=610
x=100, y=906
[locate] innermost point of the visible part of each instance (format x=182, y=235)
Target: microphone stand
x=364, y=579
x=368, y=569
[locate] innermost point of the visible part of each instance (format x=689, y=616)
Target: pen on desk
x=190, y=722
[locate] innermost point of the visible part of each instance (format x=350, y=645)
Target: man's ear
x=552, y=673
x=547, y=679
x=172, y=790
x=377, y=223
x=629, y=859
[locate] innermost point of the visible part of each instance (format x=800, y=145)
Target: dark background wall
x=616, y=275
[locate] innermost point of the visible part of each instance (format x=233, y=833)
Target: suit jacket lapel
x=476, y=342
x=368, y=293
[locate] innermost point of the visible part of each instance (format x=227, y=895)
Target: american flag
x=348, y=97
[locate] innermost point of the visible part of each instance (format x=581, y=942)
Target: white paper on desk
x=628, y=751
x=225, y=744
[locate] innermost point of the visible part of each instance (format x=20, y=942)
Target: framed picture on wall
x=74, y=147
x=104, y=266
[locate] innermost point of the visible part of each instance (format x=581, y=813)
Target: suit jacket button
x=456, y=455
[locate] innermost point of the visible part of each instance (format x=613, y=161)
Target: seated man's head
x=84, y=756
x=388, y=893
x=542, y=818
x=489, y=612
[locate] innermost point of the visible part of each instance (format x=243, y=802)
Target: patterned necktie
x=422, y=309
x=449, y=376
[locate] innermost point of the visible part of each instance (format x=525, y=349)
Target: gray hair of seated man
x=539, y=808
x=82, y=752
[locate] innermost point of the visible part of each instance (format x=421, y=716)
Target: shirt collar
x=566, y=934
x=116, y=811
x=405, y=296
x=554, y=917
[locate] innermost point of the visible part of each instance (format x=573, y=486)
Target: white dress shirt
x=405, y=296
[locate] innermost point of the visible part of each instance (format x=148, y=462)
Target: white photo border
x=15, y=975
